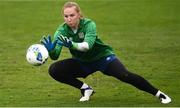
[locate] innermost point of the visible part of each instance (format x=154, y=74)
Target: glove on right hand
x=46, y=41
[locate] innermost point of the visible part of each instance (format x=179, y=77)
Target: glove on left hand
x=64, y=41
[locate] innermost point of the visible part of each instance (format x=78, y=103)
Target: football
x=37, y=54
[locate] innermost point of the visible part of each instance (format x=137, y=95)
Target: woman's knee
x=55, y=70
x=52, y=70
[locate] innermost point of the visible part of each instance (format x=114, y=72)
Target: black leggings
x=67, y=71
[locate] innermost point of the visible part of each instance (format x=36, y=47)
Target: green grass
x=143, y=33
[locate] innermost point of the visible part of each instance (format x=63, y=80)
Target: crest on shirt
x=81, y=35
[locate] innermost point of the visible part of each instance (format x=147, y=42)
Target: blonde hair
x=71, y=4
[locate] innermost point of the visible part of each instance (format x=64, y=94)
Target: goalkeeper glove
x=64, y=41
x=46, y=41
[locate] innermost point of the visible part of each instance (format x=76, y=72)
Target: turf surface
x=144, y=34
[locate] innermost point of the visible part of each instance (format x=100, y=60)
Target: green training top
x=86, y=33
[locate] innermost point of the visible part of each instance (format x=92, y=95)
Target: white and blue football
x=37, y=54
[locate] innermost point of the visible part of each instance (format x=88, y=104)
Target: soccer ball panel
x=37, y=54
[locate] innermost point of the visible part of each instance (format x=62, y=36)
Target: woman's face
x=71, y=17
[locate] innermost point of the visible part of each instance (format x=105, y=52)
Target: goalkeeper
x=89, y=54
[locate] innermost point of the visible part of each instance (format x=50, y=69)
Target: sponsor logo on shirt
x=70, y=38
x=81, y=35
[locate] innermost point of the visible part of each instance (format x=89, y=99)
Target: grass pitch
x=144, y=34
